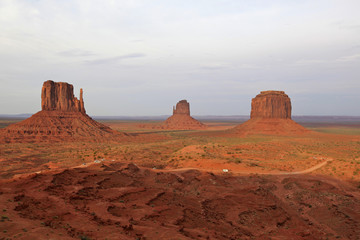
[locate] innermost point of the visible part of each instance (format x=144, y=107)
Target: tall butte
x=270, y=114
x=181, y=118
x=60, y=96
x=63, y=117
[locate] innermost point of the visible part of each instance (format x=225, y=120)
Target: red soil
x=269, y=126
x=122, y=201
x=182, y=122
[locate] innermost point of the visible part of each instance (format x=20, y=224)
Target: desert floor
x=207, y=149
x=203, y=184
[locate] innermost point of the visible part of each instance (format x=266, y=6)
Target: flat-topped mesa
x=182, y=107
x=271, y=104
x=59, y=96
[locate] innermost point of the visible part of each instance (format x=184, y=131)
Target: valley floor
x=172, y=184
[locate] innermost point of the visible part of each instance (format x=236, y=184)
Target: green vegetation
x=84, y=238
x=338, y=130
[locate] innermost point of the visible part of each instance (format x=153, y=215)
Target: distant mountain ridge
x=20, y=116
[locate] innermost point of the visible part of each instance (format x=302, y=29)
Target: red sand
x=183, y=122
x=269, y=126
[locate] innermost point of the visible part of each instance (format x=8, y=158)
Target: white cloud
x=115, y=59
x=349, y=58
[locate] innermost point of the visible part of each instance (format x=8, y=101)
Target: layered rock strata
x=270, y=114
x=62, y=117
x=271, y=104
x=60, y=96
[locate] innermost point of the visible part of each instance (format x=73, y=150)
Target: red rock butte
x=62, y=117
x=271, y=104
x=182, y=107
x=181, y=118
x=270, y=114
x=60, y=96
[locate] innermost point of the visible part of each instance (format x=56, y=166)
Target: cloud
x=114, y=59
x=214, y=66
x=179, y=49
x=137, y=40
x=343, y=25
x=303, y=62
x=350, y=58
x=76, y=53
x=221, y=66
x=248, y=66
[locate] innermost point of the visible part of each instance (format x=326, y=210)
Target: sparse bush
x=84, y=238
x=237, y=161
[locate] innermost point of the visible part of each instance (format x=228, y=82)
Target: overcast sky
x=140, y=57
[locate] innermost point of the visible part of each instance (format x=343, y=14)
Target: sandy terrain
x=169, y=184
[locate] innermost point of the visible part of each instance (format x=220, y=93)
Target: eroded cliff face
x=62, y=118
x=270, y=114
x=59, y=96
x=182, y=107
x=271, y=104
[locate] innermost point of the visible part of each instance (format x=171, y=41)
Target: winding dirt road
x=309, y=170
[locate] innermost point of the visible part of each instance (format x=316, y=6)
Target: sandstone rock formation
x=182, y=107
x=181, y=118
x=271, y=104
x=62, y=117
x=270, y=114
x=60, y=96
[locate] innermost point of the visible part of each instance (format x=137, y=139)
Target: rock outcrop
x=62, y=118
x=270, y=114
x=181, y=118
x=60, y=96
x=182, y=107
x=271, y=104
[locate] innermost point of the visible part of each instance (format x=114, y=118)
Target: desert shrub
x=84, y=238
x=237, y=161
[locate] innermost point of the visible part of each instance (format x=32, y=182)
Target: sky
x=140, y=57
